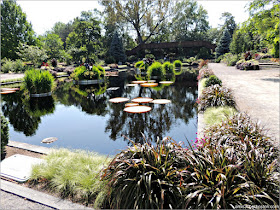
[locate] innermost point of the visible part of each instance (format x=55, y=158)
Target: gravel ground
x=11, y=76
x=256, y=92
x=11, y=201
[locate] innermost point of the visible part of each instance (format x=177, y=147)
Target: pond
x=81, y=117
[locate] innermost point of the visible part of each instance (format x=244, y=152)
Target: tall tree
x=223, y=45
x=86, y=35
x=189, y=21
x=15, y=29
x=229, y=22
x=116, y=48
x=144, y=16
x=53, y=45
x=62, y=30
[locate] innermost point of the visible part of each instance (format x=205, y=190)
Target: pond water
x=81, y=117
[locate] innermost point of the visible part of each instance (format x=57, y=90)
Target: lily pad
x=137, y=109
x=118, y=100
x=131, y=104
x=142, y=100
x=149, y=84
x=161, y=101
x=7, y=92
x=139, y=82
x=131, y=85
x=166, y=82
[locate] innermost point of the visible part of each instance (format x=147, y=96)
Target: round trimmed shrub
x=4, y=136
x=139, y=64
x=146, y=176
x=156, y=69
x=213, y=80
x=82, y=73
x=215, y=95
x=38, y=81
x=177, y=63
x=168, y=67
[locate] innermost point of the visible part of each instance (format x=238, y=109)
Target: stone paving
x=255, y=92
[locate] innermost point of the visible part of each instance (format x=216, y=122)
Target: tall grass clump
x=38, y=81
x=146, y=176
x=73, y=175
x=156, y=69
x=213, y=115
x=168, y=67
x=215, y=95
x=82, y=73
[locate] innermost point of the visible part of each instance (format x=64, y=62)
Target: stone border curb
x=39, y=197
x=200, y=118
x=29, y=147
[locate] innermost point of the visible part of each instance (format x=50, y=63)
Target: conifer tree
x=223, y=45
x=116, y=49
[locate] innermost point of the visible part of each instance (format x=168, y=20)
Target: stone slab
x=18, y=167
x=29, y=147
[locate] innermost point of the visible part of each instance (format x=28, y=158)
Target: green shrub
x=82, y=73
x=109, y=60
x=4, y=136
x=73, y=175
x=139, y=64
x=151, y=56
x=19, y=65
x=156, y=69
x=215, y=115
x=38, y=81
x=132, y=58
x=215, y=95
x=177, y=63
x=212, y=80
x=145, y=176
x=7, y=66
x=230, y=59
x=168, y=67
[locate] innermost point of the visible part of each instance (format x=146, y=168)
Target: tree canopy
x=15, y=29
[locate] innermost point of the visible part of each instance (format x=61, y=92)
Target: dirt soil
x=256, y=93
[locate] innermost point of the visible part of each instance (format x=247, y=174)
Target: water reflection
x=25, y=114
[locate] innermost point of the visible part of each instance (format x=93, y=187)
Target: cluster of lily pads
x=134, y=106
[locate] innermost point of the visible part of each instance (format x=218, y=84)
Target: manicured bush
x=4, y=136
x=177, y=63
x=156, y=69
x=168, y=67
x=82, y=73
x=71, y=174
x=215, y=95
x=146, y=176
x=204, y=73
x=38, y=81
x=212, y=80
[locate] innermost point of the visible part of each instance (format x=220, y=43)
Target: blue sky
x=44, y=14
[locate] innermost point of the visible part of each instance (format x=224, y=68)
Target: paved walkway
x=10, y=76
x=255, y=92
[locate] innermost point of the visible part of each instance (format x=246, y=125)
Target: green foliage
x=139, y=64
x=73, y=175
x=110, y=60
x=116, y=49
x=230, y=59
x=33, y=54
x=15, y=29
x=4, y=135
x=156, y=69
x=215, y=115
x=151, y=56
x=215, y=95
x=223, y=45
x=12, y=66
x=168, y=67
x=53, y=45
x=102, y=71
x=131, y=58
x=177, y=63
x=38, y=81
x=212, y=80
x=82, y=73
x=145, y=176
x=229, y=23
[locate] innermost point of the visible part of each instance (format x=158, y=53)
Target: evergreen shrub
x=212, y=80
x=177, y=63
x=156, y=69
x=168, y=67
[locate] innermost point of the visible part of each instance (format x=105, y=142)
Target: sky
x=44, y=14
